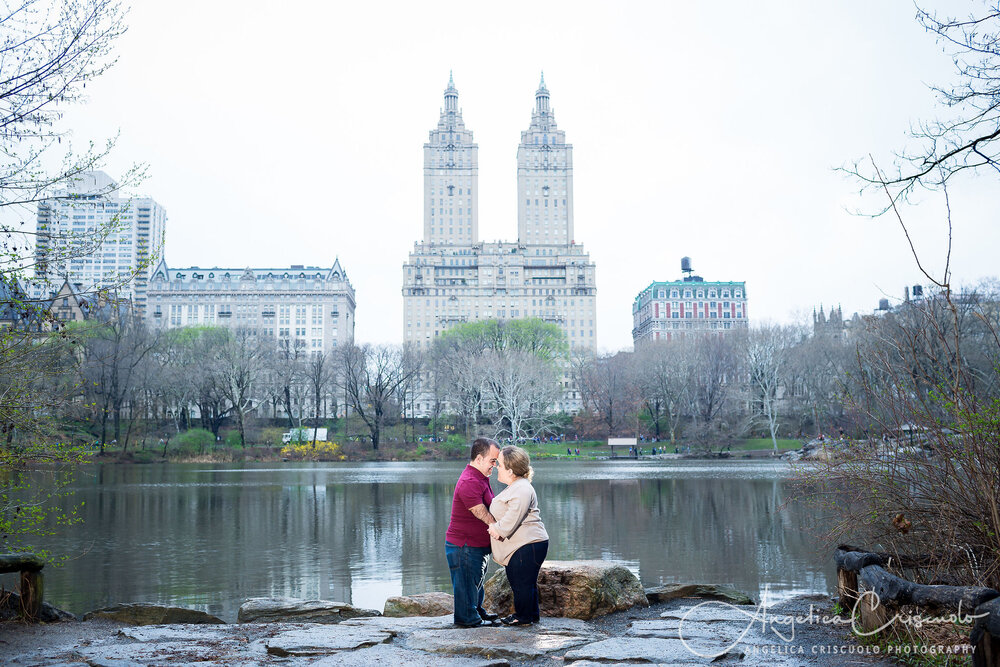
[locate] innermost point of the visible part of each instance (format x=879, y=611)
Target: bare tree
x=319, y=372
x=239, y=366
x=116, y=348
x=608, y=388
x=968, y=138
x=372, y=376
x=663, y=369
x=767, y=349
x=521, y=390
x=716, y=373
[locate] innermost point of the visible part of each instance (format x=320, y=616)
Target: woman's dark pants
x=522, y=573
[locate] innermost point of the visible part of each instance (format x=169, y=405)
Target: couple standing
x=507, y=525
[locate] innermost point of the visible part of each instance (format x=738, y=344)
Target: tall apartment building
x=453, y=277
x=89, y=235
x=310, y=308
x=665, y=310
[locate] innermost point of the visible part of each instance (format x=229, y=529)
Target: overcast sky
x=294, y=135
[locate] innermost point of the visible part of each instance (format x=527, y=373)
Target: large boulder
x=150, y=614
x=707, y=591
x=574, y=589
x=292, y=610
x=424, y=604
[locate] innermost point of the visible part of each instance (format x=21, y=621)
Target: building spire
x=542, y=97
x=451, y=94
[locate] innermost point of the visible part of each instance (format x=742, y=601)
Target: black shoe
x=513, y=620
x=488, y=617
x=470, y=625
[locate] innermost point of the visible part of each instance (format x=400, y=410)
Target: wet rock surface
x=669, y=592
x=680, y=632
x=308, y=640
x=581, y=589
x=292, y=610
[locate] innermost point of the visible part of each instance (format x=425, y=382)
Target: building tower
x=451, y=178
x=544, y=179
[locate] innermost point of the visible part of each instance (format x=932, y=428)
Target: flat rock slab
x=672, y=651
x=404, y=625
x=493, y=642
x=173, y=633
x=317, y=640
x=131, y=655
x=669, y=629
x=384, y=654
x=292, y=610
x=151, y=614
x=713, y=612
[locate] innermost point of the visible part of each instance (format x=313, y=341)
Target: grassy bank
x=396, y=451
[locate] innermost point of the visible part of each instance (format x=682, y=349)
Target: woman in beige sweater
x=518, y=538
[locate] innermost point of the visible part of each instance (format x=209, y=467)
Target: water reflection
x=209, y=537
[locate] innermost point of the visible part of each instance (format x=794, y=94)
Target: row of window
x=700, y=294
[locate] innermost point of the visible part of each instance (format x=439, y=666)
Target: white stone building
x=452, y=277
x=88, y=235
x=309, y=307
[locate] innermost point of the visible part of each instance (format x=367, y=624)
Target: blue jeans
x=468, y=574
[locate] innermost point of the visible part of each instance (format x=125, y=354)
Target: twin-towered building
x=452, y=277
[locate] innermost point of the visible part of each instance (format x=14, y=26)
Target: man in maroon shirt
x=467, y=542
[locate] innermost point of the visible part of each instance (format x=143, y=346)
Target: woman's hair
x=517, y=461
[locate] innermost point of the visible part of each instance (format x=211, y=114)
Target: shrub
x=271, y=435
x=194, y=440
x=323, y=451
x=232, y=439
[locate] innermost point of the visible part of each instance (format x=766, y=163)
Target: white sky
x=294, y=135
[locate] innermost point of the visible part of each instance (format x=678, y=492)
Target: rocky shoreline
x=638, y=635
x=593, y=612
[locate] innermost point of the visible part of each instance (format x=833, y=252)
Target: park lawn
x=765, y=443
x=587, y=448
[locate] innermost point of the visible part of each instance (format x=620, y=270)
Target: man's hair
x=481, y=447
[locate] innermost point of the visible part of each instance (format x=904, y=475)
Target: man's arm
x=483, y=514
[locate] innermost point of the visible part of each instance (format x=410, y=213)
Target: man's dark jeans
x=468, y=574
x=522, y=573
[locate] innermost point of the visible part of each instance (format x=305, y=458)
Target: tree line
x=118, y=379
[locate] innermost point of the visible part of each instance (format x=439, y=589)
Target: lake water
x=210, y=536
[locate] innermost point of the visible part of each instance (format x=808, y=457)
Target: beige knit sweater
x=518, y=521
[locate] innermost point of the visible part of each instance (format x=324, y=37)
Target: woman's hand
x=494, y=533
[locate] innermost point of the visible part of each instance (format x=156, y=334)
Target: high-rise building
x=305, y=307
x=666, y=310
x=452, y=277
x=89, y=235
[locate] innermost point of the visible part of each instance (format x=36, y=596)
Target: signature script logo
x=783, y=626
